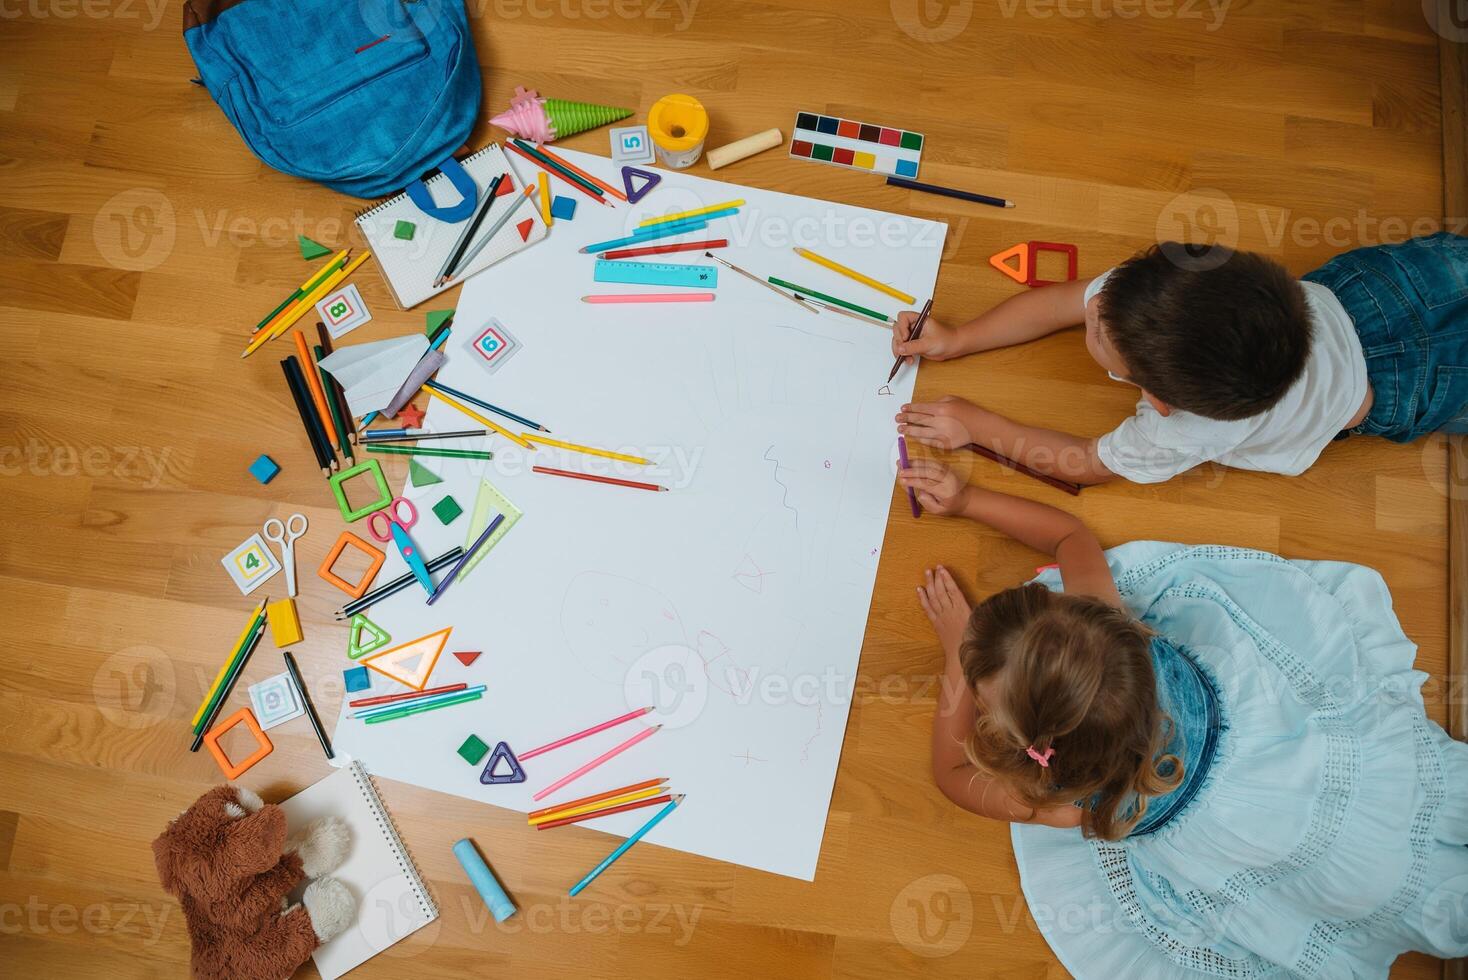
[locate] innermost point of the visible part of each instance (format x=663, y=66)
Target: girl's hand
x=939, y=424
x=938, y=488
x=938, y=342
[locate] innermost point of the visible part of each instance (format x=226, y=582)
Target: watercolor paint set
x=856, y=145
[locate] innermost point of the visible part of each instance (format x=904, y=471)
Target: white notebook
x=392, y=901
x=410, y=265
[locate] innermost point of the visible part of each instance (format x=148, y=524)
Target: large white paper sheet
x=735, y=603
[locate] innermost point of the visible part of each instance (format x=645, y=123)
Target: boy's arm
x=1022, y=317
x=952, y=423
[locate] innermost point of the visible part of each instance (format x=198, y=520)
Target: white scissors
x=285, y=535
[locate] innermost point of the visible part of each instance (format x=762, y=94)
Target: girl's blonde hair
x=1074, y=675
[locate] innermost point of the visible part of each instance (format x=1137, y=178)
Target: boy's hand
x=938, y=488
x=938, y=343
x=939, y=424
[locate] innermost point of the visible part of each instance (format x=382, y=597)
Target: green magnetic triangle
x=310, y=249
x=436, y=319
x=421, y=475
x=360, y=627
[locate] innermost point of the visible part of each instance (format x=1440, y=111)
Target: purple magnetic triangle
x=633, y=196
x=516, y=773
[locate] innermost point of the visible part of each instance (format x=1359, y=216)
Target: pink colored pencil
x=588, y=732
x=649, y=298
x=644, y=734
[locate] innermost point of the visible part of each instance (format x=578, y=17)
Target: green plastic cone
x=570, y=118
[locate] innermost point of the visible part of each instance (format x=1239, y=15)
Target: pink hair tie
x=1043, y=760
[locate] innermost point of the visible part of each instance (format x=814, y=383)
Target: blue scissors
x=396, y=531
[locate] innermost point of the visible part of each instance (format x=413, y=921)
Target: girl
x=1216, y=762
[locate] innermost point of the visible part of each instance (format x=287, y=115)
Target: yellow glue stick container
x=678, y=125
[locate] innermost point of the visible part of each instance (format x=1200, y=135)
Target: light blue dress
x=1324, y=832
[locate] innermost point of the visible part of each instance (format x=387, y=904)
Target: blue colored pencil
x=454, y=572
x=663, y=231
x=626, y=844
x=405, y=702
x=437, y=386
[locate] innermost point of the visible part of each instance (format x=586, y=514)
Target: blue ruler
x=657, y=273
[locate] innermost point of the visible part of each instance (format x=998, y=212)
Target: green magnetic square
x=912, y=141
x=404, y=230
x=384, y=493
x=819, y=152
x=447, y=510
x=473, y=750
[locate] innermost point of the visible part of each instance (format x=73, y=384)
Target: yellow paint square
x=865, y=161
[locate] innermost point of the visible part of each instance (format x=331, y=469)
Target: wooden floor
x=139, y=241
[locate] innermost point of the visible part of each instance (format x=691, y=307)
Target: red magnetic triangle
x=524, y=229
x=467, y=657
x=637, y=194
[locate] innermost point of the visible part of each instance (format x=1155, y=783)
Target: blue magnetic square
x=907, y=168
x=563, y=208
x=827, y=124
x=357, y=678
x=264, y=469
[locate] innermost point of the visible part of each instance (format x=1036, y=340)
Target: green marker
x=828, y=298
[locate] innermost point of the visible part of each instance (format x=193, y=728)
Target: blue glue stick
x=484, y=880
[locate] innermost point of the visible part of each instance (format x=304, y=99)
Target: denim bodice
x=1189, y=701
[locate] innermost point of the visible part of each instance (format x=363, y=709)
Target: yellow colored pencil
x=488, y=423
x=641, y=794
x=545, y=197
x=290, y=316
x=540, y=440
x=880, y=287
x=691, y=214
x=224, y=667
x=336, y=261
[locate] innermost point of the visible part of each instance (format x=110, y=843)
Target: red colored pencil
x=594, y=814
x=598, y=479
x=386, y=698
x=594, y=193
x=581, y=173
x=609, y=794
x=630, y=253
x=1074, y=489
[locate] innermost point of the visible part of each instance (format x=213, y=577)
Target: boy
x=1236, y=361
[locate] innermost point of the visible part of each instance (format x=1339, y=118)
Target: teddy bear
x=227, y=860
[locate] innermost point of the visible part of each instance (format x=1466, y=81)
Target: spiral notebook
x=392, y=901
x=409, y=265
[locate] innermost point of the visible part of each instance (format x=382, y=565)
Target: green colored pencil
x=336, y=412
x=311, y=284
x=413, y=710
x=373, y=447
x=827, y=297
x=555, y=168
x=226, y=685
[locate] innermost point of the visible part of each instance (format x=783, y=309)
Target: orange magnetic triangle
x=467, y=657
x=1020, y=252
x=390, y=663
x=524, y=229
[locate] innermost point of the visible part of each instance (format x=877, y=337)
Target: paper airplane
x=371, y=374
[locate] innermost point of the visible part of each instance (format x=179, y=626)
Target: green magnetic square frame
x=383, y=490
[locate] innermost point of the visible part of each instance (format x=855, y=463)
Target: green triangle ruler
x=489, y=503
x=359, y=628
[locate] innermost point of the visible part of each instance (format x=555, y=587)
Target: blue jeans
x=1188, y=698
x=1410, y=306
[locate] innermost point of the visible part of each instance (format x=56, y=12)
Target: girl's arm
x=1022, y=317
x=951, y=423
x=1047, y=529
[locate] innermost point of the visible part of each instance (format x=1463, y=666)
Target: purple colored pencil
x=902, y=458
x=454, y=572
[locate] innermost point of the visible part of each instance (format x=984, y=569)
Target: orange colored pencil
x=313, y=382
x=596, y=814
x=583, y=174
x=609, y=794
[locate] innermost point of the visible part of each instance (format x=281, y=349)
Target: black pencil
x=290, y=381
x=290, y=665
x=914, y=185
x=227, y=685
x=913, y=334
x=329, y=396
x=313, y=418
x=463, y=243
x=396, y=585
x=413, y=436
x=335, y=387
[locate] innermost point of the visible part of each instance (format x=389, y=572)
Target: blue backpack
x=364, y=96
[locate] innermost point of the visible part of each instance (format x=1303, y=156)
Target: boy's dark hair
x=1222, y=339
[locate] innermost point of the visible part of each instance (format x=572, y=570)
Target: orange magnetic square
x=233, y=770
x=375, y=554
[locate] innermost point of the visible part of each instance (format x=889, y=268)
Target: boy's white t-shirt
x=1150, y=447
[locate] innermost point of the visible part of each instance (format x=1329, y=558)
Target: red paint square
x=799, y=148
x=843, y=156
x=891, y=137
x=849, y=128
